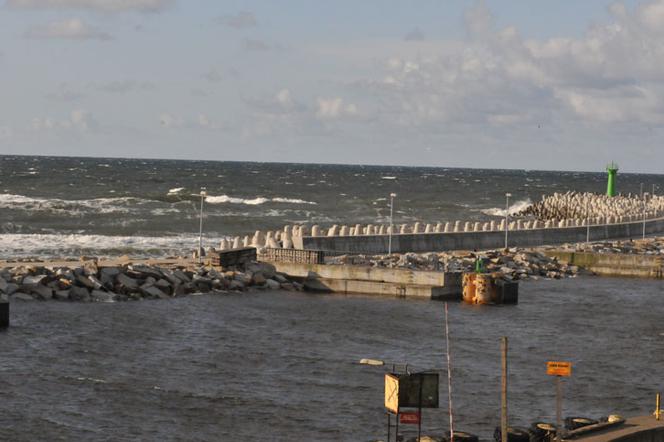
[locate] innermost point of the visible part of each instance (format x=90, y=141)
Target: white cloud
x=241, y=20
x=332, y=108
x=125, y=86
x=612, y=74
x=79, y=120
x=73, y=29
x=94, y=5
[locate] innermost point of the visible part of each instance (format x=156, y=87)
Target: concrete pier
x=480, y=240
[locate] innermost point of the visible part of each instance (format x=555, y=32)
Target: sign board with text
x=559, y=368
x=409, y=418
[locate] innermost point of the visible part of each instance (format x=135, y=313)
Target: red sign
x=407, y=418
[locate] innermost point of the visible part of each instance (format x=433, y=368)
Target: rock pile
x=649, y=246
x=576, y=205
x=516, y=264
x=88, y=282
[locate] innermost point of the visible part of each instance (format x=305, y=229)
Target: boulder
x=258, y=279
x=154, y=292
x=11, y=288
x=3, y=285
x=33, y=279
x=126, y=282
x=272, y=284
x=268, y=270
x=280, y=278
x=85, y=281
x=61, y=295
x=79, y=294
x=314, y=285
x=236, y=285
x=182, y=276
x=163, y=285
x=18, y=296
x=41, y=291
x=288, y=286
x=90, y=267
x=99, y=296
x=147, y=271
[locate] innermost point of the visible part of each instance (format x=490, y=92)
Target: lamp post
x=645, y=197
x=587, y=221
x=200, y=231
x=389, y=241
x=507, y=214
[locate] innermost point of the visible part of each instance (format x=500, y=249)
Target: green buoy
x=612, y=170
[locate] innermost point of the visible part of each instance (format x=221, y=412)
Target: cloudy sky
x=563, y=84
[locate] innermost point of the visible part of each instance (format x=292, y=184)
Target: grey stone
x=11, y=288
x=3, y=285
x=85, y=281
x=236, y=285
x=288, y=286
x=273, y=285
x=258, y=279
x=4, y=297
x=154, y=291
x=43, y=292
x=79, y=294
x=147, y=271
x=18, y=296
x=99, y=296
x=33, y=279
x=96, y=283
x=268, y=270
x=314, y=285
x=61, y=295
x=90, y=267
x=280, y=278
x=126, y=281
x=163, y=285
x=182, y=276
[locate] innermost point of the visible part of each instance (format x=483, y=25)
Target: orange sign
x=557, y=368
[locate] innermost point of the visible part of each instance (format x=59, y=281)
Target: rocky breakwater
x=133, y=282
x=649, y=246
x=514, y=264
x=597, y=209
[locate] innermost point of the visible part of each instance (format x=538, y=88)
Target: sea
x=284, y=366
x=67, y=207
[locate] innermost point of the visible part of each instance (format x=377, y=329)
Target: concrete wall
x=606, y=264
x=428, y=242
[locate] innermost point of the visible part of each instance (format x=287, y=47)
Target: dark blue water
x=72, y=206
x=283, y=366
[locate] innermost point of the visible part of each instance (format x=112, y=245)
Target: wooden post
x=559, y=409
x=503, y=399
x=658, y=412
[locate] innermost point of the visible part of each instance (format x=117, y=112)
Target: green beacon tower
x=612, y=170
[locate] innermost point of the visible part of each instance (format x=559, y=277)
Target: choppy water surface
x=71, y=206
x=281, y=366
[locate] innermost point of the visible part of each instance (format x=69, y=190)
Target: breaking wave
x=517, y=207
x=254, y=201
x=56, y=205
x=63, y=245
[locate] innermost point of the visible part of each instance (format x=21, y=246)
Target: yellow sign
x=392, y=393
x=557, y=368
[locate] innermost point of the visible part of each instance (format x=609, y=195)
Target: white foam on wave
x=221, y=199
x=57, y=205
x=175, y=190
x=74, y=245
x=518, y=206
x=388, y=178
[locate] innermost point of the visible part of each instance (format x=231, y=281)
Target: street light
x=645, y=197
x=389, y=241
x=200, y=231
x=587, y=221
x=507, y=214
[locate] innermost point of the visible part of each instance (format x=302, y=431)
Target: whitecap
x=221, y=199
x=517, y=207
x=388, y=178
x=175, y=190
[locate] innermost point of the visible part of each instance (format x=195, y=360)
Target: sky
x=553, y=85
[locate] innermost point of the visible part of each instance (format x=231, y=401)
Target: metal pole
x=419, y=412
x=449, y=373
x=658, y=412
x=644, y=215
x=503, y=401
x=587, y=221
x=559, y=409
x=389, y=423
x=389, y=241
x=507, y=214
x=200, y=232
